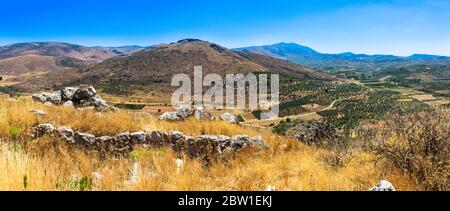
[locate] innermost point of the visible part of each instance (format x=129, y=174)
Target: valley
x=327, y=117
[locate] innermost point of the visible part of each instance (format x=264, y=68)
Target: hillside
x=27, y=64
x=154, y=67
x=311, y=58
x=120, y=51
x=55, y=49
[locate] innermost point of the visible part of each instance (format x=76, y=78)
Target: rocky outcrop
x=229, y=118
x=185, y=112
x=73, y=96
x=66, y=133
x=42, y=129
x=170, y=116
x=206, y=147
x=383, y=186
x=317, y=133
x=85, y=93
x=201, y=113
x=68, y=93
x=38, y=113
x=182, y=113
x=52, y=97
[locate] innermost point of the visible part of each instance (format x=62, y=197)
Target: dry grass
x=49, y=164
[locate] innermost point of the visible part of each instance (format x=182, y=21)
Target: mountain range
x=133, y=67
x=38, y=65
x=311, y=58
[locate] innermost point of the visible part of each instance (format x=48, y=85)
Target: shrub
x=418, y=143
x=239, y=118
x=15, y=132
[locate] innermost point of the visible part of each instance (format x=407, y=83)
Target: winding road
x=294, y=117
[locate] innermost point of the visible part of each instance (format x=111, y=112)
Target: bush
x=418, y=143
x=239, y=118
x=15, y=132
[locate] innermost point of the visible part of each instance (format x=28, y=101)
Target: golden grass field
x=50, y=164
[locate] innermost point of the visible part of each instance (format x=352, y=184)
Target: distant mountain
x=122, y=50
x=55, y=49
x=283, y=50
x=309, y=57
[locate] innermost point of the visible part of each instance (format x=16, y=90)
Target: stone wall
x=206, y=147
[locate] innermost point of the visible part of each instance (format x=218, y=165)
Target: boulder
x=123, y=137
x=96, y=178
x=85, y=93
x=200, y=113
x=39, y=97
x=156, y=136
x=54, y=97
x=224, y=141
x=68, y=103
x=84, y=139
x=49, y=104
x=170, y=116
x=209, y=139
x=383, y=186
x=229, y=118
x=238, y=142
x=138, y=137
x=43, y=129
x=175, y=136
x=180, y=164
x=258, y=142
x=99, y=103
x=84, y=103
x=68, y=93
x=106, y=142
x=184, y=112
x=66, y=133
x=177, y=140
x=38, y=113
x=317, y=133
x=271, y=188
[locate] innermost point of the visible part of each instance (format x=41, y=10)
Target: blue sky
x=400, y=27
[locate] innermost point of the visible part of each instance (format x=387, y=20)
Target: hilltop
x=154, y=67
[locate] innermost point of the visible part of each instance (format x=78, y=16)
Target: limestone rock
x=85, y=93
x=183, y=111
x=170, y=116
x=39, y=97
x=138, y=137
x=229, y=118
x=84, y=139
x=43, y=129
x=66, y=133
x=67, y=93
x=38, y=113
x=240, y=141
x=201, y=113
x=156, y=136
x=258, y=142
x=383, y=186
x=317, y=133
x=68, y=103
x=49, y=104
